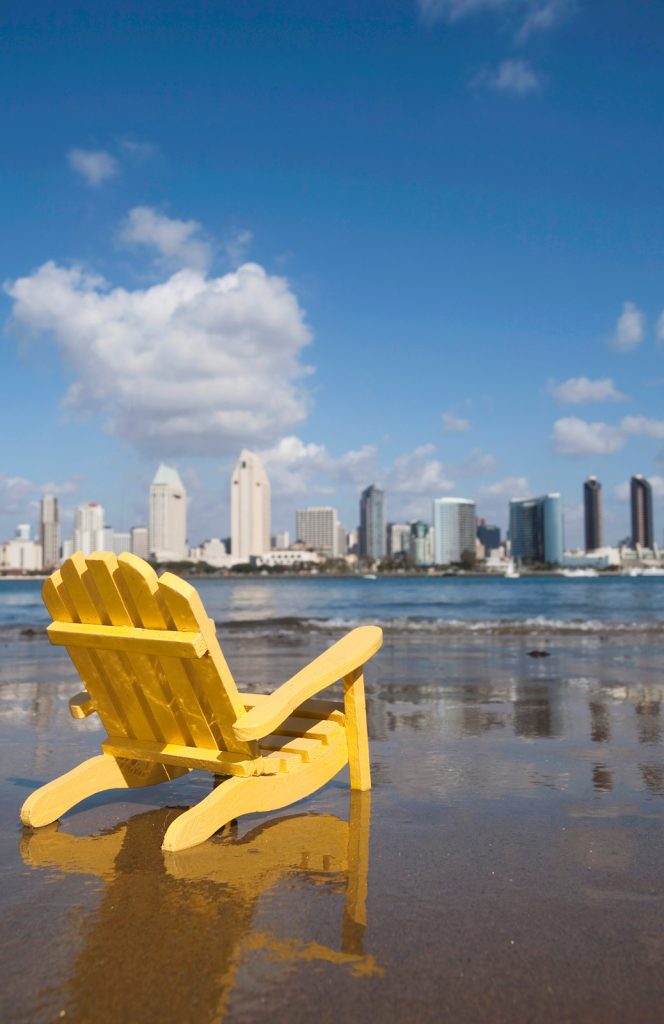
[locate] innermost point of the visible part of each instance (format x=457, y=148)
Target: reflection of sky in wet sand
x=517, y=854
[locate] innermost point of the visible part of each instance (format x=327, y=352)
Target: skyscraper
x=49, y=531
x=168, y=516
x=89, y=528
x=250, y=508
x=372, y=523
x=318, y=529
x=488, y=535
x=454, y=529
x=536, y=529
x=592, y=510
x=642, y=521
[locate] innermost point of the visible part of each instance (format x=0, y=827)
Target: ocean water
x=430, y=605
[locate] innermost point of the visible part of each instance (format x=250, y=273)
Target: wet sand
x=508, y=864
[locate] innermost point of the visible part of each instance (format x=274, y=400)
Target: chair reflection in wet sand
x=172, y=930
x=155, y=674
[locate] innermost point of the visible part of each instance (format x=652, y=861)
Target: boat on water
x=510, y=571
x=653, y=570
x=369, y=576
x=576, y=574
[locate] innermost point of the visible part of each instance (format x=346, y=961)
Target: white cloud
x=531, y=15
x=630, y=328
x=19, y=496
x=237, y=247
x=297, y=468
x=192, y=365
x=660, y=328
x=94, y=165
x=574, y=436
x=643, y=426
x=621, y=492
x=412, y=482
x=507, y=488
x=478, y=463
x=138, y=150
x=178, y=242
x=515, y=76
x=582, y=389
x=453, y=424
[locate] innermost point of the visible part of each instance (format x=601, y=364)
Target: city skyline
x=426, y=288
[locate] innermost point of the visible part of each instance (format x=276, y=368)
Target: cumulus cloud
x=192, y=365
x=296, y=467
x=621, y=492
x=413, y=480
x=237, y=246
x=643, y=426
x=574, y=436
x=138, y=150
x=507, y=488
x=95, y=166
x=453, y=424
x=513, y=76
x=478, y=463
x=582, y=389
x=630, y=328
x=178, y=242
x=530, y=15
x=18, y=495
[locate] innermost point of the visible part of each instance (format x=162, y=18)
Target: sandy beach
x=506, y=866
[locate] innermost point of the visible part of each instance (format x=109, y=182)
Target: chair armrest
x=348, y=654
x=80, y=706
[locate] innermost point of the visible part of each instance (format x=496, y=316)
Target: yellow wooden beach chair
x=155, y=674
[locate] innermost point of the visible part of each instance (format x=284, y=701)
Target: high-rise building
x=488, y=536
x=642, y=521
x=120, y=542
x=398, y=539
x=455, y=529
x=372, y=523
x=140, y=541
x=168, y=516
x=23, y=531
x=250, y=508
x=317, y=527
x=49, y=531
x=419, y=546
x=89, y=528
x=536, y=529
x=592, y=513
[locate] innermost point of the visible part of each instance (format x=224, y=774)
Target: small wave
x=443, y=627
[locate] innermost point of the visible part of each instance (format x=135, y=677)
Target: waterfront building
x=536, y=529
x=642, y=519
x=294, y=558
x=89, y=528
x=250, y=508
x=23, y=531
x=140, y=541
x=120, y=542
x=398, y=540
x=353, y=542
x=282, y=540
x=20, y=555
x=592, y=513
x=318, y=528
x=372, y=524
x=341, y=540
x=488, y=536
x=455, y=529
x=214, y=552
x=49, y=531
x=419, y=548
x=168, y=516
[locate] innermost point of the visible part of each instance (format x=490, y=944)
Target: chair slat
x=131, y=639
x=144, y=670
x=306, y=748
x=210, y=676
x=219, y=761
x=109, y=669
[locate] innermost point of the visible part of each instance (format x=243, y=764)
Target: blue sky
x=411, y=243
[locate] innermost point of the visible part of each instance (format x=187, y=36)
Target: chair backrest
x=146, y=651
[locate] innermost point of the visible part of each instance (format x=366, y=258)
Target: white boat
x=576, y=574
x=653, y=570
x=510, y=571
x=369, y=576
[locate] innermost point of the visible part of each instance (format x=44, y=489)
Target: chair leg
x=93, y=776
x=356, y=729
x=239, y=796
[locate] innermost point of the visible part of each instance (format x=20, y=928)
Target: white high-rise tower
x=168, y=516
x=250, y=508
x=89, y=528
x=49, y=531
